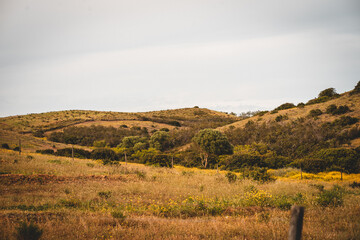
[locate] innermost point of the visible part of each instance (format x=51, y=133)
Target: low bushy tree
x=211, y=142
x=160, y=140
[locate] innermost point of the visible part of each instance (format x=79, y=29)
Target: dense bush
x=285, y=106
x=46, y=151
x=160, y=141
x=315, y=112
x=331, y=198
x=5, y=146
x=334, y=110
x=324, y=96
x=105, y=154
x=318, y=100
x=356, y=90
x=154, y=157
x=78, y=153
x=301, y=105
x=86, y=136
x=347, y=160
x=313, y=165
x=345, y=121
x=261, y=175
x=329, y=92
x=231, y=177
x=280, y=118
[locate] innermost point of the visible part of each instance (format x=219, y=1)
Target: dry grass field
x=83, y=199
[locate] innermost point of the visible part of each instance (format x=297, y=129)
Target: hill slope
x=303, y=113
x=61, y=119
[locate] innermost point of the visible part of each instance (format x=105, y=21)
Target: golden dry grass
x=29, y=143
x=150, y=199
x=57, y=120
x=345, y=99
x=130, y=123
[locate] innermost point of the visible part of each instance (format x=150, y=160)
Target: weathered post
x=296, y=222
x=72, y=152
x=125, y=158
x=172, y=161
x=19, y=146
x=300, y=171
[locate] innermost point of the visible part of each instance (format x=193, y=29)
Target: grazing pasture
x=84, y=199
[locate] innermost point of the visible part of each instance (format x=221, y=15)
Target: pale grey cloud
x=146, y=55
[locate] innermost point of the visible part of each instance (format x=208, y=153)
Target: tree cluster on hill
x=295, y=139
x=86, y=136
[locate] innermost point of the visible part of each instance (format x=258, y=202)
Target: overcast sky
x=141, y=55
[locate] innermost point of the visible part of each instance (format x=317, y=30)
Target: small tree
x=211, y=142
x=329, y=92
x=160, y=140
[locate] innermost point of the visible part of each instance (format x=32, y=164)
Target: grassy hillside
x=296, y=113
x=59, y=120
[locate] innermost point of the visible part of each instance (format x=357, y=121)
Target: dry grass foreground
x=83, y=199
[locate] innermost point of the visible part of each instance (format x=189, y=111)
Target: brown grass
x=66, y=202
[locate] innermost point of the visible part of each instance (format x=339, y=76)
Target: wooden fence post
x=72, y=152
x=19, y=146
x=296, y=222
x=172, y=161
x=125, y=158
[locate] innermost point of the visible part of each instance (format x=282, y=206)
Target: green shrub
x=231, y=177
x=345, y=121
x=329, y=92
x=119, y=214
x=279, y=118
x=331, y=198
x=261, y=113
x=5, y=146
x=46, y=151
x=283, y=202
x=261, y=175
x=301, y=105
x=105, y=194
x=331, y=108
x=315, y=112
x=318, y=100
x=28, y=232
x=356, y=90
x=99, y=144
x=78, y=153
x=105, y=154
x=285, y=106
x=355, y=184
x=334, y=110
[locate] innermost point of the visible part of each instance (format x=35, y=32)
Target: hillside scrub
x=295, y=139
